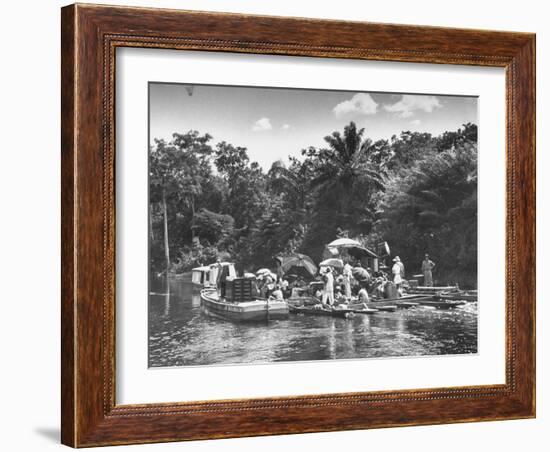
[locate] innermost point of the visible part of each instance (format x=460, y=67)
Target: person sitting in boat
x=277, y=293
x=363, y=295
x=378, y=284
x=339, y=297
x=319, y=294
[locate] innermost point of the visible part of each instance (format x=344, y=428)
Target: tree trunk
x=192, y=218
x=151, y=231
x=166, y=245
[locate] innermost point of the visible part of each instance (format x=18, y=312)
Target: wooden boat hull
x=365, y=311
x=450, y=304
x=303, y=301
x=379, y=306
x=341, y=313
x=257, y=310
x=460, y=296
x=432, y=289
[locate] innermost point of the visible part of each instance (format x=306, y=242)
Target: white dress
x=396, y=270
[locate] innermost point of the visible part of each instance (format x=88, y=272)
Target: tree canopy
x=418, y=192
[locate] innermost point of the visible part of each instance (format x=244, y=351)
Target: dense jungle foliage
x=416, y=191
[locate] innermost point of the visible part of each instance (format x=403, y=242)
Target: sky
x=273, y=123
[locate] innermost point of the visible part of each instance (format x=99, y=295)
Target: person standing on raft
x=328, y=293
x=427, y=267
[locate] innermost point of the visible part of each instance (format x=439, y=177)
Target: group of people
x=340, y=289
x=339, y=286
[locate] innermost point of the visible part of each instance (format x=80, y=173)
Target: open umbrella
x=298, y=264
x=343, y=243
x=360, y=274
x=336, y=263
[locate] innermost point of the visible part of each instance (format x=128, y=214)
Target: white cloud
x=360, y=103
x=285, y=126
x=262, y=124
x=416, y=122
x=408, y=104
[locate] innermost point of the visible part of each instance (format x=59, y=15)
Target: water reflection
x=181, y=333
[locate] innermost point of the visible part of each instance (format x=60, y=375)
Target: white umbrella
x=263, y=271
x=343, y=242
x=336, y=263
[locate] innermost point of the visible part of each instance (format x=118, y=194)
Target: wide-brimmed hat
x=396, y=259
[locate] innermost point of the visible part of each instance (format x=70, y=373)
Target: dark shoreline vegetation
x=416, y=191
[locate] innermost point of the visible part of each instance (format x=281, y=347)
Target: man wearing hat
x=427, y=266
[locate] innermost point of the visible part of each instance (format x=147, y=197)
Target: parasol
x=298, y=264
x=343, y=243
x=360, y=274
x=336, y=263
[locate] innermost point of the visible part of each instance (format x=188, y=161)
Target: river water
x=181, y=333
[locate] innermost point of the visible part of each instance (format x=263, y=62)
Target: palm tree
x=292, y=181
x=351, y=170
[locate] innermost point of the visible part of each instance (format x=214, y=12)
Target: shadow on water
x=182, y=333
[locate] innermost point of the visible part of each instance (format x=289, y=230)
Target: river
x=181, y=333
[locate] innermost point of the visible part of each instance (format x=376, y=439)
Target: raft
x=470, y=295
x=442, y=304
x=327, y=312
x=426, y=290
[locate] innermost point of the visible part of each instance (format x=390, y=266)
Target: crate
x=239, y=290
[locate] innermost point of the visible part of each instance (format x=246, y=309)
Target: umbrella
x=263, y=271
x=300, y=271
x=298, y=264
x=360, y=274
x=336, y=263
x=343, y=243
x=358, y=252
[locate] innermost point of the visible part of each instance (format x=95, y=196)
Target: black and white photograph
x=294, y=225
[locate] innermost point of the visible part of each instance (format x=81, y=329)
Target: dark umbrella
x=299, y=264
x=360, y=274
x=299, y=271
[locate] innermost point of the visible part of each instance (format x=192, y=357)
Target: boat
x=425, y=290
x=322, y=311
x=463, y=295
x=200, y=277
x=206, y=276
x=444, y=304
x=363, y=310
x=255, y=309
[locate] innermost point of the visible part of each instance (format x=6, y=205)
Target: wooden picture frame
x=90, y=35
